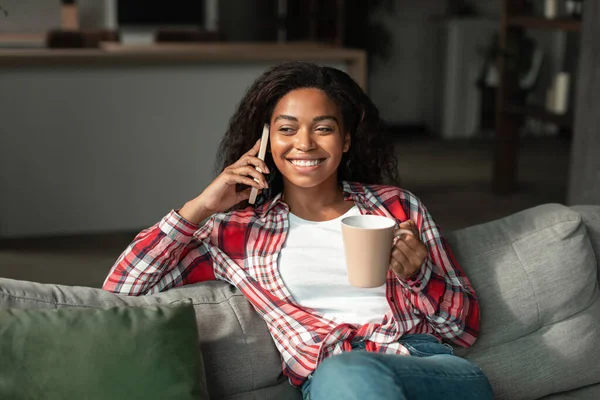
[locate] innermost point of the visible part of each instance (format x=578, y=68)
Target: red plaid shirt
x=242, y=248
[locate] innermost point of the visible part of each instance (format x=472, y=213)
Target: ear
x=347, y=142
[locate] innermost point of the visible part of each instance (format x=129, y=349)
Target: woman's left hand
x=408, y=253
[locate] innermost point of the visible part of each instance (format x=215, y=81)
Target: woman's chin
x=306, y=181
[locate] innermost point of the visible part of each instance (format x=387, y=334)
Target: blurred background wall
x=91, y=139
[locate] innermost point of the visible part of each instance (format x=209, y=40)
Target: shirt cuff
x=417, y=282
x=178, y=228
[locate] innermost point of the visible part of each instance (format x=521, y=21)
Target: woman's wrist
x=194, y=211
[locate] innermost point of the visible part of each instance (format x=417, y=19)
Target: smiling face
x=307, y=138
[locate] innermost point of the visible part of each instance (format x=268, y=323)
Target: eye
x=286, y=130
x=325, y=129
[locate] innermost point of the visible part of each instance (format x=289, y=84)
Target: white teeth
x=305, y=163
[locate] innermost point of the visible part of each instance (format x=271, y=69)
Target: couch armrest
x=591, y=217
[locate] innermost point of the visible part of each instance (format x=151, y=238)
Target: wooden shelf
x=115, y=54
x=537, y=112
x=564, y=24
x=510, y=117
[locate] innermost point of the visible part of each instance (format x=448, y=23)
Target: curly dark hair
x=370, y=158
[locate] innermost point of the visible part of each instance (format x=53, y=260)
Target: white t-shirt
x=313, y=268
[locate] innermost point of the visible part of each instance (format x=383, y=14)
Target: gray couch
x=536, y=275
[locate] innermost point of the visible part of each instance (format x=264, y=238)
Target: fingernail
x=267, y=170
x=259, y=170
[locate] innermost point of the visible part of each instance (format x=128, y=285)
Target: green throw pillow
x=127, y=353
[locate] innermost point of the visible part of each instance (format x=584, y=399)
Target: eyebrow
x=315, y=119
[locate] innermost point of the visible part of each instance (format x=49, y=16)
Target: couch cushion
x=101, y=353
x=239, y=354
x=536, y=278
x=584, y=393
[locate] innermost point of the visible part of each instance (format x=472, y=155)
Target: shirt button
x=412, y=279
x=391, y=299
x=418, y=284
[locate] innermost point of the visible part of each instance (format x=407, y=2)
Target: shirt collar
x=352, y=191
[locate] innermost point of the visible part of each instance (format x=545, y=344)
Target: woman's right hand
x=221, y=195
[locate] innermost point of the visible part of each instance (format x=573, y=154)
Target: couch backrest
x=535, y=274
x=238, y=352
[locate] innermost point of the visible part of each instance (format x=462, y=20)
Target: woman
x=336, y=341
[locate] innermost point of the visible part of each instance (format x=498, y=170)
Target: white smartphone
x=264, y=140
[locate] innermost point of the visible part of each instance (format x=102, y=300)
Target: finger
x=252, y=172
x=258, y=163
x=232, y=179
x=410, y=225
x=400, y=232
x=396, y=266
x=401, y=265
x=243, y=161
x=414, y=259
x=400, y=258
x=413, y=242
x=408, y=222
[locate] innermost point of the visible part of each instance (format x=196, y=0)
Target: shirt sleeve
x=441, y=290
x=171, y=253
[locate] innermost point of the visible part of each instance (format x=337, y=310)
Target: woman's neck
x=319, y=203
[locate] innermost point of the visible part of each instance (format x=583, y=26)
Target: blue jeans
x=431, y=372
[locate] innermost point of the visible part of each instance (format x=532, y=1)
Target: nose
x=304, y=140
